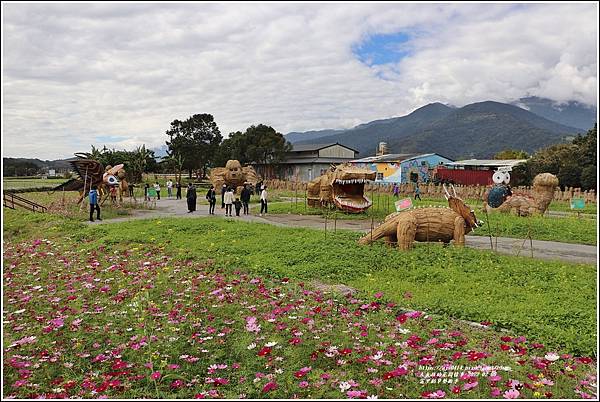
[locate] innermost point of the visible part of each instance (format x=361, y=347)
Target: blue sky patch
x=109, y=138
x=383, y=48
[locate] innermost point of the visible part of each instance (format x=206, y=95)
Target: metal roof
x=317, y=147
x=488, y=162
x=392, y=158
x=301, y=161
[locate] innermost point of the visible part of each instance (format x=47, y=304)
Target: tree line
x=194, y=145
x=574, y=163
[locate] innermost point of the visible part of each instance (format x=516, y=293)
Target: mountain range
x=477, y=130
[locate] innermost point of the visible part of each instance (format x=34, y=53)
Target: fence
x=433, y=191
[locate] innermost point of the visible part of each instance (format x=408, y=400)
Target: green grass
x=553, y=302
x=568, y=229
x=13, y=184
x=66, y=204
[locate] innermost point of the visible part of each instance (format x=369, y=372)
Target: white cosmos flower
x=251, y=346
x=552, y=357
x=344, y=386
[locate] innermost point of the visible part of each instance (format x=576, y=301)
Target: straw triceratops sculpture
x=429, y=224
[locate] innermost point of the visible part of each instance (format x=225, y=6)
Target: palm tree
x=138, y=162
x=176, y=160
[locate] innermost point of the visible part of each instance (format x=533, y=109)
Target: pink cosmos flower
x=470, y=385
x=303, y=384
x=176, y=384
x=155, y=376
x=57, y=322
x=439, y=394
x=495, y=392
x=378, y=295
x=512, y=394
x=356, y=394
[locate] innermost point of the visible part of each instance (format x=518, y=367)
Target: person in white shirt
x=263, y=200
x=228, y=199
x=169, y=188
x=157, y=188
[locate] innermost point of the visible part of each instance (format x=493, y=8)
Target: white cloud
x=128, y=70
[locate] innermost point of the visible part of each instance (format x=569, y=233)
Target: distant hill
x=573, y=114
x=475, y=130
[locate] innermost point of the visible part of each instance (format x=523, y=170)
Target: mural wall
x=399, y=172
x=422, y=166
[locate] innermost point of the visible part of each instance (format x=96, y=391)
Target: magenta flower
x=155, y=376
x=269, y=387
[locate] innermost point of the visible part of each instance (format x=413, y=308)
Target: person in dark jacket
x=223, y=191
x=178, y=187
x=211, y=196
x=238, y=206
x=191, y=198
x=94, y=204
x=245, y=198
x=258, y=187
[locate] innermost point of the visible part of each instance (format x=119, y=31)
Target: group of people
x=417, y=193
x=157, y=189
x=228, y=199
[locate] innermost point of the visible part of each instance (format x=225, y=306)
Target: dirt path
x=166, y=208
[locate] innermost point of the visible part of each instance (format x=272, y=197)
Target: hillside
x=475, y=130
x=572, y=114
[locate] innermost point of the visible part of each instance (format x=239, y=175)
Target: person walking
x=228, y=200
x=191, y=198
x=417, y=192
x=223, y=191
x=245, y=198
x=396, y=190
x=94, y=204
x=263, y=201
x=211, y=196
x=157, y=188
x=259, y=186
x=169, y=188
x=146, y=188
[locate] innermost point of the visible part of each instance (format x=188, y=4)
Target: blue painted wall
x=421, y=166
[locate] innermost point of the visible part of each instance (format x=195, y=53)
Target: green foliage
x=16, y=167
x=258, y=144
x=196, y=140
x=574, y=164
x=137, y=162
x=511, y=154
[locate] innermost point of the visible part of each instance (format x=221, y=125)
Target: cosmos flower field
x=137, y=321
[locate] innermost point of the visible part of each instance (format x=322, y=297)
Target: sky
x=117, y=74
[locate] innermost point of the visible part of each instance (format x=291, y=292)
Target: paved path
x=168, y=208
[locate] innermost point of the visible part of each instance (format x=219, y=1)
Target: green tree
x=175, y=162
x=511, y=154
x=573, y=163
x=140, y=161
x=196, y=139
x=258, y=144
